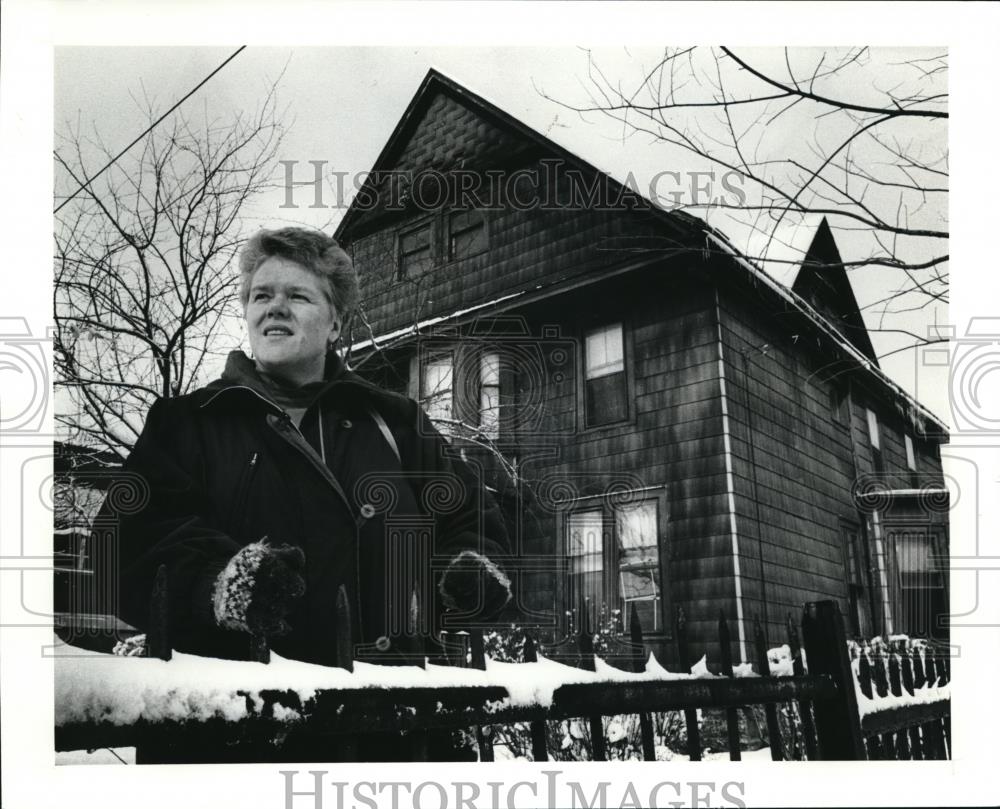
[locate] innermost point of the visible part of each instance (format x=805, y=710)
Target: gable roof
x=823, y=282
x=822, y=269
x=498, y=133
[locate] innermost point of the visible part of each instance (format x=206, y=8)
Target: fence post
x=838, y=725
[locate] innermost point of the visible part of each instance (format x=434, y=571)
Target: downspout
x=730, y=487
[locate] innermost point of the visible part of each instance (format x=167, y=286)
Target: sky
x=340, y=104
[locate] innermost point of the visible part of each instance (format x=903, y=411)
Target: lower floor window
x=614, y=565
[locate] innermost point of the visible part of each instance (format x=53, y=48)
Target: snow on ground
x=118, y=755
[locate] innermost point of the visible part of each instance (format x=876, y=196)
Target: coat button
x=347, y=424
x=368, y=511
x=382, y=644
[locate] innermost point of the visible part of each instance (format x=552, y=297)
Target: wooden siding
x=794, y=484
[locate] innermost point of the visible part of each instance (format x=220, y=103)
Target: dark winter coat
x=224, y=467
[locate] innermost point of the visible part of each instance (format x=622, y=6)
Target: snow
x=921, y=696
x=121, y=690
x=106, y=755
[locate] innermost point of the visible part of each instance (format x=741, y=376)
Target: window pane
x=489, y=411
x=607, y=400
x=604, y=351
x=467, y=234
x=911, y=461
x=415, y=251
x=436, y=387
x=873, y=436
x=638, y=563
x=415, y=240
x=489, y=368
x=585, y=549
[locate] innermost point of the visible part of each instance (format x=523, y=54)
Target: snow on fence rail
x=904, y=698
x=206, y=705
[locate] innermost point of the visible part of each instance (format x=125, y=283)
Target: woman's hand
x=258, y=588
x=473, y=583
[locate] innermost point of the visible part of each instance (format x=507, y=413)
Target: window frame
x=488, y=351
x=423, y=397
x=449, y=217
x=610, y=563
x=410, y=228
x=875, y=441
x=583, y=424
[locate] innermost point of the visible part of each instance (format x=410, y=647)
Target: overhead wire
x=149, y=129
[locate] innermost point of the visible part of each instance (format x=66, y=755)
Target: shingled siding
x=802, y=479
x=671, y=446
x=526, y=248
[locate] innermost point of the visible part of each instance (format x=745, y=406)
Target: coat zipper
x=244, y=492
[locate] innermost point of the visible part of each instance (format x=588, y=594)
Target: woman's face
x=290, y=321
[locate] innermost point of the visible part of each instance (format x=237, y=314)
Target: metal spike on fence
x=477, y=649
x=770, y=710
x=539, y=748
x=919, y=680
x=342, y=629
x=906, y=671
x=158, y=633
x=805, y=706
x=732, y=717
x=260, y=649
x=690, y=714
x=865, y=674
x=639, y=666
x=895, y=684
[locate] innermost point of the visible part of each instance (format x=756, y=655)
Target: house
x=666, y=425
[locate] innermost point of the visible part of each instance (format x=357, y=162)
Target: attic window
x=466, y=234
x=415, y=251
x=875, y=440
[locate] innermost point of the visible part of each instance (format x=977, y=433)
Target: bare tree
x=144, y=279
x=857, y=136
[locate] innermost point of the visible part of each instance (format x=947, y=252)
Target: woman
x=291, y=477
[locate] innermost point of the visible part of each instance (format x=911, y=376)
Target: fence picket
x=639, y=665
x=585, y=643
x=539, y=747
x=732, y=717
x=895, y=684
x=770, y=711
x=919, y=680
x=690, y=714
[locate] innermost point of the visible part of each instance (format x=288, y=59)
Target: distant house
x=667, y=425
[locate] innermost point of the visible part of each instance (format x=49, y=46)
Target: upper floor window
x=466, y=234
x=875, y=440
x=415, y=254
x=436, y=389
x=489, y=395
x=838, y=404
x=911, y=459
x=606, y=391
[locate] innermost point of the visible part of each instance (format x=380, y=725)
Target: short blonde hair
x=316, y=252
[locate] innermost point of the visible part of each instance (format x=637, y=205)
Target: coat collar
x=240, y=381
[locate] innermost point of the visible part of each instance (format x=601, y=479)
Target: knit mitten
x=472, y=582
x=256, y=590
